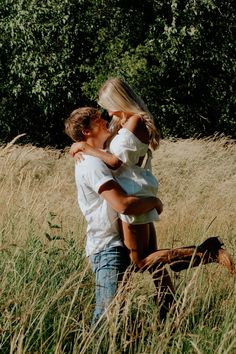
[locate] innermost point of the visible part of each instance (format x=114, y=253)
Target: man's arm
x=129, y=205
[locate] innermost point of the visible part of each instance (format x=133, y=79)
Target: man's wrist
x=159, y=206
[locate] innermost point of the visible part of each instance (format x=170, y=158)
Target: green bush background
x=178, y=55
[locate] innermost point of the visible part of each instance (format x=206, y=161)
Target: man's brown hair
x=79, y=120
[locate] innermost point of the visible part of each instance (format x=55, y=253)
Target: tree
x=177, y=54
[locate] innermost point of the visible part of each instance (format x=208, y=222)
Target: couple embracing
x=117, y=196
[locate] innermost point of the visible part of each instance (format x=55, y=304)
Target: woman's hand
x=77, y=147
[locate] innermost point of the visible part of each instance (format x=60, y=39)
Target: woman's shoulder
x=138, y=118
x=137, y=125
x=134, y=122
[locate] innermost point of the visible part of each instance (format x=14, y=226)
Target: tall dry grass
x=47, y=287
x=37, y=186
x=197, y=184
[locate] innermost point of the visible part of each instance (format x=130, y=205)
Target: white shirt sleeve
x=127, y=147
x=96, y=173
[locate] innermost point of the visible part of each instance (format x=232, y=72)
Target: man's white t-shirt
x=102, y=221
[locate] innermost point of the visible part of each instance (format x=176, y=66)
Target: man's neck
x=96, y=142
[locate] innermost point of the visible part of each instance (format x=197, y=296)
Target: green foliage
x=178, y=55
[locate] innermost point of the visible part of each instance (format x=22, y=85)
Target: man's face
x=98, y=127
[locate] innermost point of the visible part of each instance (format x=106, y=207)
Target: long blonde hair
x=116, y=95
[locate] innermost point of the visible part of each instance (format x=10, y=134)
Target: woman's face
x=116, y=113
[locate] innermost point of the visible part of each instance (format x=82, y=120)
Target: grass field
x=47, y=287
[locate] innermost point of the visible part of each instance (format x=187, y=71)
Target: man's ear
x=86, y=132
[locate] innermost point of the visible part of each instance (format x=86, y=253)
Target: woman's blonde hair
x=116, y=95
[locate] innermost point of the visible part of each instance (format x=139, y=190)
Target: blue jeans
x=109, y=266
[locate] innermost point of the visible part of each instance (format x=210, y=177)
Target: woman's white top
x=135, y=180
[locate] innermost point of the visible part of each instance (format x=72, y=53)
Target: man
x=101, y=199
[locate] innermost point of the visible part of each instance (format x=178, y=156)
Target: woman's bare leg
x=180, y=258
x=141, y=243
x=136, y=240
